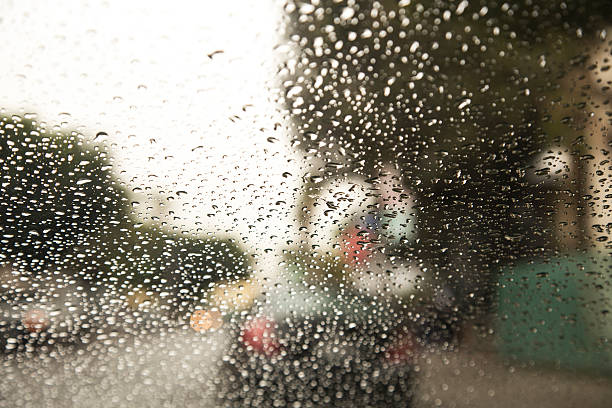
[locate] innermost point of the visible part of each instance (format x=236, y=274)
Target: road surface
x=166, y=370
x=175, y=369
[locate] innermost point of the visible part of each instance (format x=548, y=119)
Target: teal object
x=557, y=312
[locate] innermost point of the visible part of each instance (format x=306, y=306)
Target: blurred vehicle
x=310, y=347
x=38, y=314
x=369, y=230
x=33, y=316
x=359, y=308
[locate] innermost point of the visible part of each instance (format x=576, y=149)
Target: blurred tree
x=459, y=96
x=62, y=209
x=144, y=257
x=54, y=191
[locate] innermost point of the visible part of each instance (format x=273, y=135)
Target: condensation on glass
x=306, y=204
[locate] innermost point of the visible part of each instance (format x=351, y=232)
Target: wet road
x=175, y=369
x=481, y=380
x=166, y=370
x=477, y=376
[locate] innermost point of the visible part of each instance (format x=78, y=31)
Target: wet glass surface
x=305, y=204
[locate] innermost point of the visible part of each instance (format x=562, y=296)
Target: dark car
x=306, y=346
x=33, y=319
x=40, y=313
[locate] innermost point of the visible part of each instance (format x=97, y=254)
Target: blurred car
x=375, y=240
x=309, y=346
x=74, y=315
x=39, y=312
x=31, y=318
x=344, y=323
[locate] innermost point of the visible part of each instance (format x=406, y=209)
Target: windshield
x=306, y=203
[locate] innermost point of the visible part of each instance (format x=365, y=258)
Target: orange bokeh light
x=204, y=320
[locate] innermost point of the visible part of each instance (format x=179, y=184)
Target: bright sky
x=178, y=119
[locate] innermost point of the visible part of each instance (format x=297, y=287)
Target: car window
x=306, y=203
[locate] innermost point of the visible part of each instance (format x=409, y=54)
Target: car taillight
x=35, y=320
x=259, y=335
x=403, y=350
x=357, y=246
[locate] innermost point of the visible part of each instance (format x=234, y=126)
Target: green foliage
x=132, y=255
x=54, y=191
x=62, y=209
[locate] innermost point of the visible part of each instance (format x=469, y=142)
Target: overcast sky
x=181, y=115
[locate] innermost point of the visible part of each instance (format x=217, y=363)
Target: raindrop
x=464, y=103
x=101, y=136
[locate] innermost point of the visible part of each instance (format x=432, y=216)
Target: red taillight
x=260, y=335
x=357, y=246
x=35, y=320
x=403, y=350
